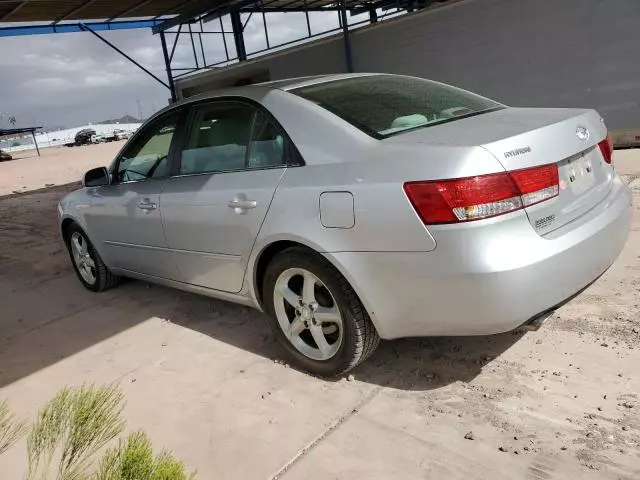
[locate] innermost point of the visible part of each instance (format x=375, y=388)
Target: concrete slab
x=627, y=162
x=200, y=376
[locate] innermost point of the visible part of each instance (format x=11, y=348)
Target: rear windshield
x=385, y=105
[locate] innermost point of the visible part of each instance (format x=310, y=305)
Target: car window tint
x=148, y=156
x=384, y=105
x=267, y=144
x=218, y=139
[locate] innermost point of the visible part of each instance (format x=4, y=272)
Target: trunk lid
x=527, y=137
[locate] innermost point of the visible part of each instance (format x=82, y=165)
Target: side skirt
x=208, y=292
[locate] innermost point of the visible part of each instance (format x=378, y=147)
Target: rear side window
x=267, y=147
x=230, y=136
x=385, y=105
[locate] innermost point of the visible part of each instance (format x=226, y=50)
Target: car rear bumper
x=487, y=277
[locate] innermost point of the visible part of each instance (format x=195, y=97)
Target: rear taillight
x=483, y=196
x=606, y=147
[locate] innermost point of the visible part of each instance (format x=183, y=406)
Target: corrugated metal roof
x=59, y=10
x=64, y=10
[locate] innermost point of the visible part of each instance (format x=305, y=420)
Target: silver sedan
x=351, y=208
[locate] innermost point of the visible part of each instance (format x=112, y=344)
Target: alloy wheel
x=308, y=314
x=82, y=258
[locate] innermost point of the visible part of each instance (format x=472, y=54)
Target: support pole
x=306, y=14
x=236, y=24
x=345, y=36
x=204, y=59
x=193, y=45
x=373, y=16
x=175, y=43
x=224, y=39
x=167, y=64
x=33, y=134
x=264, y=22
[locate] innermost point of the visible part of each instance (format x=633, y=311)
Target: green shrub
x=133, y=460
x=73, y=427
x=11, y=429
x=78, y=422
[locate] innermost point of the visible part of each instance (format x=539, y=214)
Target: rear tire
x=325, y=327
x=88, y=265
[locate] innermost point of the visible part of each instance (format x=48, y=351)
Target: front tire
x=315, y=314
x=88, y=265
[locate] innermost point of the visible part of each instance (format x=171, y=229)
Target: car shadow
x=46, y=315
x=433, y=362
x=406, y=364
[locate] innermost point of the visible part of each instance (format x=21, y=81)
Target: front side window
x=148, y=155
x=218, y=140
x=384, y=105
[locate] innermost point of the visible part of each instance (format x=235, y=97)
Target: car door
x=124, y=217
x=232, y=159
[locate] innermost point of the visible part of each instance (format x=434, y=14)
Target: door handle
x=241, y=203
x=245, y=204
x=147, y=205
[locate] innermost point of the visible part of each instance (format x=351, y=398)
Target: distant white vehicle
x=122, y=135
x=97, y=139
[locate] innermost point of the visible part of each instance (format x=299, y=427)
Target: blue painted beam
x=75, y=27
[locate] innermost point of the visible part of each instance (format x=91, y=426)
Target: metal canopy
x=168, y=17
x=16, y=131
x=4, y=132
x=211, y=9
x=63, y=10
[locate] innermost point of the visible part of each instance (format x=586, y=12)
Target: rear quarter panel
x=341, y=158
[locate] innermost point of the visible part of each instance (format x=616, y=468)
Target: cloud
x=73, y=78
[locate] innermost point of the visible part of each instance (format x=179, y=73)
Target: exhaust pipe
x=536, y=322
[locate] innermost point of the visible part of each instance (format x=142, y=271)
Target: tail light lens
x=483, y=196
x=606, y=147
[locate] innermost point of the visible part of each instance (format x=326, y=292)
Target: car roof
x=297, y=82
x=247, y=90
x=284, y=84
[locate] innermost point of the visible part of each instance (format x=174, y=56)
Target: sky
x=72, y=79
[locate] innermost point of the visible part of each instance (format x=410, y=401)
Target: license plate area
x=577, y=174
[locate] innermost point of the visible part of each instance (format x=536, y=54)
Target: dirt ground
x=205, y=378
x=55, y=166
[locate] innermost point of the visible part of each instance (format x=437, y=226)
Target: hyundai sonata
x=351, y=208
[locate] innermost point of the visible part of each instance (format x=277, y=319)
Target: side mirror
x=96, y=177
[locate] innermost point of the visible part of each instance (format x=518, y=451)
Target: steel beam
x=224, y=39
x=193, y=45
x=86, y=28
x=238, y=37
x=132, y=8
x=35, y=142
x=175, y=43
x=345, y=35
x=167, y=64
x=195, y=9
x=75, y=27
x=75, y=10
x=13, y=10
